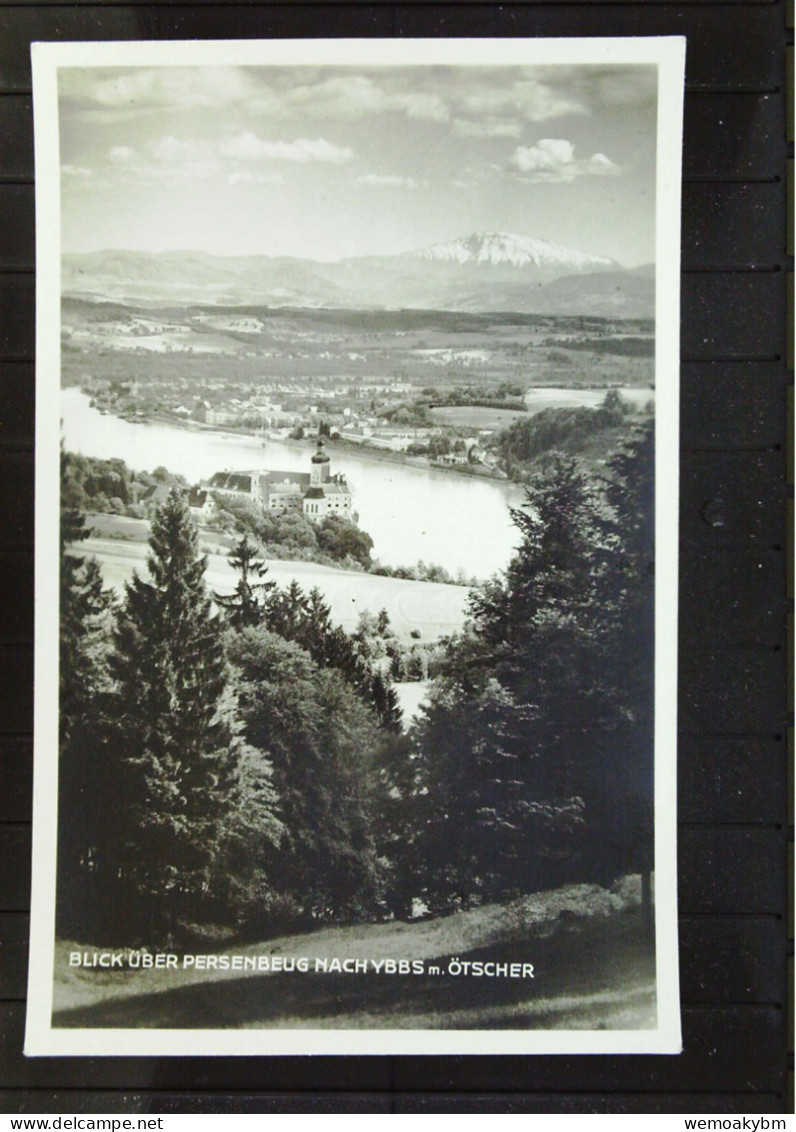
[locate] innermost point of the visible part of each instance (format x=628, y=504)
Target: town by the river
x=411, y=513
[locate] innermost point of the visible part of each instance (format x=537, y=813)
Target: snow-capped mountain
x=489, y=272
x=499, y=248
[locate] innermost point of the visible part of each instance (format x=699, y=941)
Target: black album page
x=409, y=661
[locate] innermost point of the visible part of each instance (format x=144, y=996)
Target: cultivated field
x=475, y=416
x=432, y=608
x=116, y=341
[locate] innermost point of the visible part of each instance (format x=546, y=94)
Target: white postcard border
x=668, y=54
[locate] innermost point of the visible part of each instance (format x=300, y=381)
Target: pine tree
x=83, y=782
x=167, y=729
x=83, y=608
x=244, y=606
x=384, y=699
x=627, y=794
x=531, y=735
x=306, y=619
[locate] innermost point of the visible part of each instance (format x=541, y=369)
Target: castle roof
x=283, y=479
x=232, y=481
x=242, y=481
x=197, y=497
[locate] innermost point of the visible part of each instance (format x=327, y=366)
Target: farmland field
x=116, y=341
x=431, y=608
x=475, y=416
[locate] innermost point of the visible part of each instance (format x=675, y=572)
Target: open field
x=432, y=608
x=117, y=341
x=593, y=968
x=475, y=416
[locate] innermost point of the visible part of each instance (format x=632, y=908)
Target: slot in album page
x=356, y=580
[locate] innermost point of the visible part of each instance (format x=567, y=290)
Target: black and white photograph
x=356, y=579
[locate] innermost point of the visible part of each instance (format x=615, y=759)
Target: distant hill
x=625, y=294
x=482, y=272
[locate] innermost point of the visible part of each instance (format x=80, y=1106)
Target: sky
x=325, y=162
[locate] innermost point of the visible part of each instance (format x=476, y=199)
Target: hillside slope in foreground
x=592, y=956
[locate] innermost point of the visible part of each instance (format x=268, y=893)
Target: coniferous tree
x=384, y=699
x=287, y=612
x=306, y=619
x=83, y=771
x=167, y=730
x=525, y=747
x=247, y=878
x=627, y=796
x=84, y=605
x=630, y=490
x=244, y=607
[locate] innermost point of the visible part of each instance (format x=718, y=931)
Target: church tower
x=320, y=466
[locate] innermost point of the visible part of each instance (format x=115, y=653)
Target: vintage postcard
x=357, y=405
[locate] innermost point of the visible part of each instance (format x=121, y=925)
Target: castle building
x=316, y=493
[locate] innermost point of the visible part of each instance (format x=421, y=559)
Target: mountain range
x=495, y=271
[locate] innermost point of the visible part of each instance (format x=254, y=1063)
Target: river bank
x=412, y=513
x=364, y=451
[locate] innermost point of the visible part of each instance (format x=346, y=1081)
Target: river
x=411, y=513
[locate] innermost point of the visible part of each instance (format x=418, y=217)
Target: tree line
x=556, y=430
x=237, y=763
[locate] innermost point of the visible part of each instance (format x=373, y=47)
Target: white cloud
x=548, y=154
x=344, y=97
x=489, y=127
x=349, y=97
x=608, y=85
x=387, y=180
x=476, y=102
x=478, y=176
x=248, y=147
x=539, y=102
x=75, y=171
x=173, y=160
x=238, y=160
x=164, y=160
x=426, y=107
x=155, y=88
x=427, y=94
x=553, y=161
x=600, y=165
x=524, y=99
x=494, y=105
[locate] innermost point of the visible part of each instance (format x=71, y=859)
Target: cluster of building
x=394, y=439
x=276, y=421
x=316, y=493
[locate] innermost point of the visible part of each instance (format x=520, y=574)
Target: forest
x=589, y=433
x=237, y=766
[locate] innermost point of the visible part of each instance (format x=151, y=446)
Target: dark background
x=733, y=701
